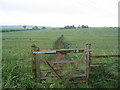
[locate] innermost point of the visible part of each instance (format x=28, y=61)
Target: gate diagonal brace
x=53, y=70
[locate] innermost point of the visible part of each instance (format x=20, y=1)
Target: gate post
x=35, y=63
x=88, y=60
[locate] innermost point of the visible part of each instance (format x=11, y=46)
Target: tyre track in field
x=59, y=57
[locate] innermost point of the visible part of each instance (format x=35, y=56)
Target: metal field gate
x=66, y=71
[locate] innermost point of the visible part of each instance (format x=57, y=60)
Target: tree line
x=73, y=27
x=34, y=27
x=66, y=27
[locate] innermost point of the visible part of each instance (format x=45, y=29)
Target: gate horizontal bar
x=50, y=77
x=44, y=52
x=62, y=51
x=60, y=62
x=65, y=61
x=69, y=69
x=81, y=81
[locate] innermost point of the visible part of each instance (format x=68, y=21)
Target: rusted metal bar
x=105, y=56
x=62, y=51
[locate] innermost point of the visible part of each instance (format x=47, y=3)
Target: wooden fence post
x=88, y=60
x=36, y=64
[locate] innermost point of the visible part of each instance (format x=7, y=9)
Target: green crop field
x=16, y=59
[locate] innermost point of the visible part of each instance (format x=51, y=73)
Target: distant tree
x=69, y=27
x=85, y=26
x=72, y=27
x=35, y=28
x=24, y=27
x=66, y=27
x=43, y=27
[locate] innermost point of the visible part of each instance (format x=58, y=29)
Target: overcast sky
x=58, y=13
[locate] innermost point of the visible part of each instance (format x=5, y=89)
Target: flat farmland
x=16, y=48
